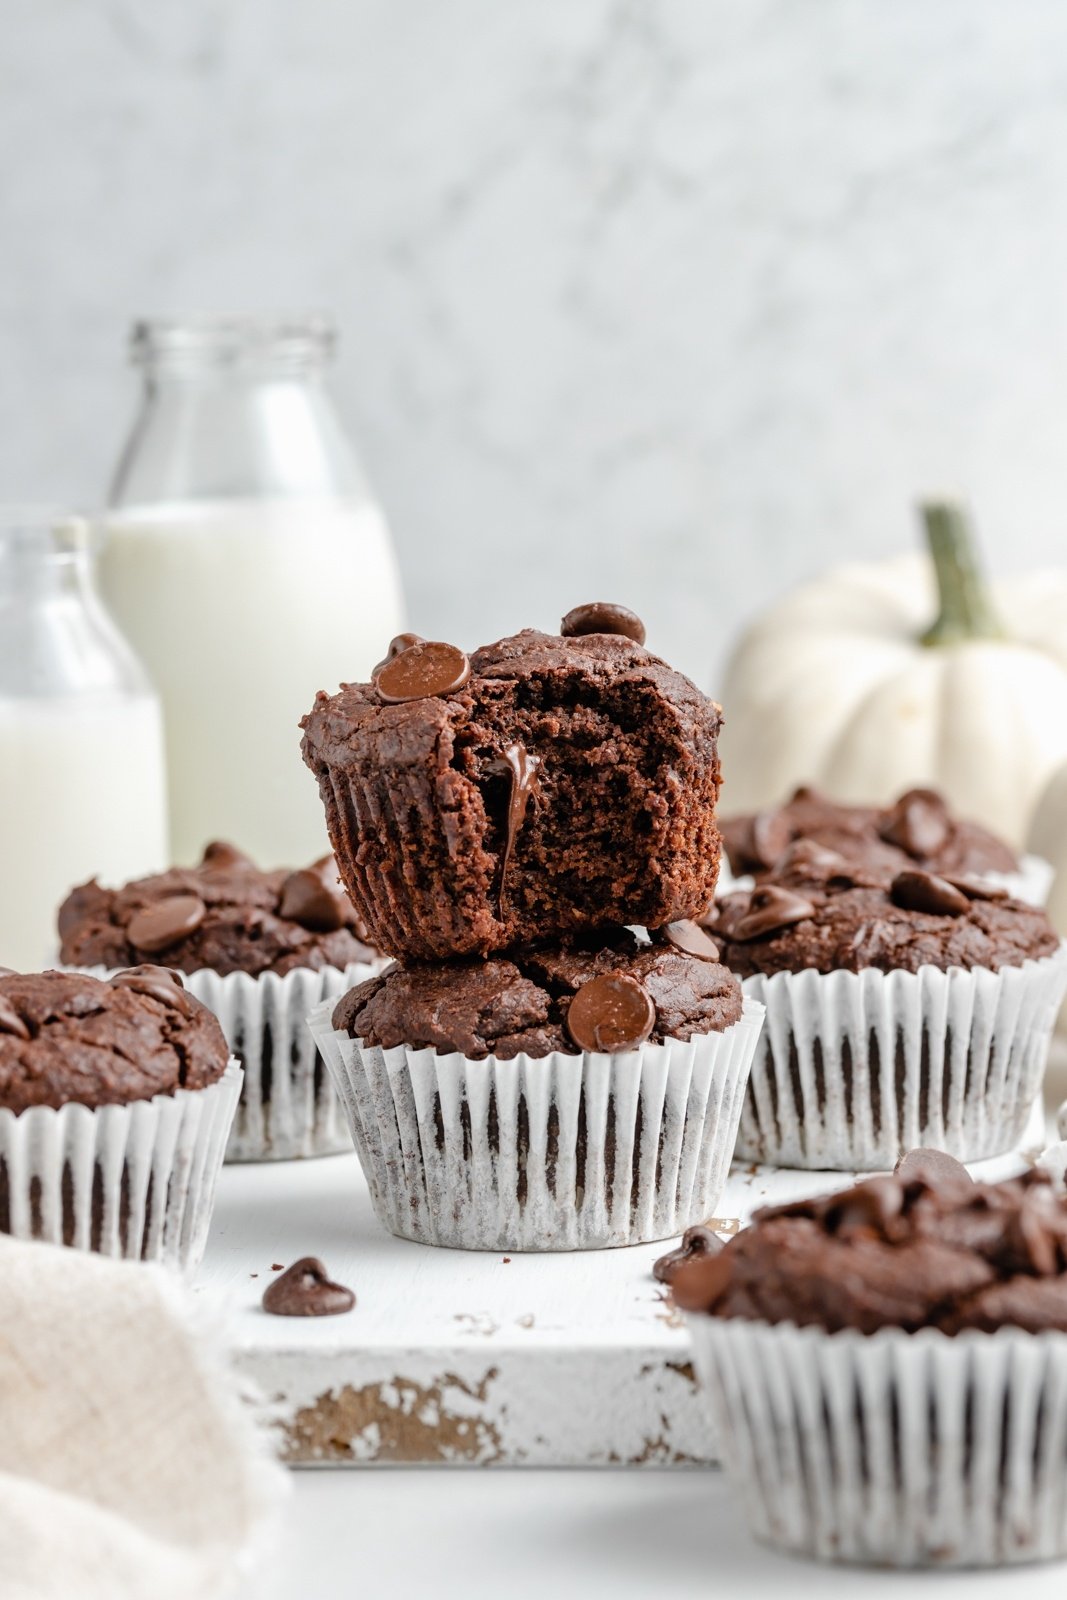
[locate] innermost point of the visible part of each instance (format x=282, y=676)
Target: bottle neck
x=42, y=560
x=56, y=638
x=251, y=423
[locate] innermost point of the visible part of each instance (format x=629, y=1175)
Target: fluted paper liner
x=900, y=1449
x=560, y=1152
x=287, y=1106
x=854, y=1068
x=135, y=1180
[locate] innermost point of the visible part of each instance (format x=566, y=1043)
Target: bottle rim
x=211, y=340
x=46, y=530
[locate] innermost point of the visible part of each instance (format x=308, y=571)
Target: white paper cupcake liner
x=1031, y=883
x=854, y=1068
x=135, y=1180
x=901, y=1449
x=288, y=1107
x=560, y=1152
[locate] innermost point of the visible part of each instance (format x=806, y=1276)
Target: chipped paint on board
x=397, y=1421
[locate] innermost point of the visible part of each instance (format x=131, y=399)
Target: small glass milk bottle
x=249, y=564
x=82, y=790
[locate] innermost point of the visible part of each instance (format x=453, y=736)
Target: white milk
x=241, y=610
x=81, y=790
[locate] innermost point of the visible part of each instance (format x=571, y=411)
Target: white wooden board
x=460, y=1358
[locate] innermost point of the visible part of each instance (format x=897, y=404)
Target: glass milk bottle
x=82, y=789
x=249, y=564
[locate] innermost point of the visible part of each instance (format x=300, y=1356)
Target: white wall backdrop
x=669, y=301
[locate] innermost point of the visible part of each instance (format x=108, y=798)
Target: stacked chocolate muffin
x=533, y=1073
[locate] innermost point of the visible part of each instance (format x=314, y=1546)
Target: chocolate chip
x=225, y=857
x=770, y=909
x=611, y=1013
x=1035, y=1239
x=918, y=823
x=870, y=1206
x=165, y=922
x=811, y=860
x=696, y=1242
x=423, y=670
x=690, y=939
x=975, y=889
x=307, y=900
x=935, y=1168
x=913, y=890
x=700, y=1283
x=10, y=1021
x=305, y=1290
x=601, y=617
x=397, y=646
x=159, y=983
x=767, y=836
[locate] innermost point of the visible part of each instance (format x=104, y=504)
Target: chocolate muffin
x=925, y=1248
x=260, y=948
x=116, y=1100
x=572, y=1095
x=225, y=915
x=550, y=785
x=917, y=830
x=903, y=1009
x=67, y=1037
x=887, y=1368
x=818, y=910
x=518, y=1003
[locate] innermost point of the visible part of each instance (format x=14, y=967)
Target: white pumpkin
x=879, y=678
x=1048, y=837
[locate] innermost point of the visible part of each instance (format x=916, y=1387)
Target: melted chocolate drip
x=522, y=768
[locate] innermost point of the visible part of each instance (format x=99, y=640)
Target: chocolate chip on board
x=306, y=1290
x=696, y=1242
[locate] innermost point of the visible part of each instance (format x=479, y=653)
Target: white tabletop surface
x=465, y=1534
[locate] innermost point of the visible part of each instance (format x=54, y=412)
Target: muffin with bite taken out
x=260, y=948
x=548, y=785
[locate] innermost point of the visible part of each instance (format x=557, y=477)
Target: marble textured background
x=671, y=301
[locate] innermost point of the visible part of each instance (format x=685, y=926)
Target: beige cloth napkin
x=129, y=1466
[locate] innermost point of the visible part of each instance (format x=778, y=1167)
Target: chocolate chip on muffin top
x=226, y=915
x=819, y=910
x=521, y=1002
x=568, y=782
x=67, y=1037
x=917, y=829
x=925, y=1248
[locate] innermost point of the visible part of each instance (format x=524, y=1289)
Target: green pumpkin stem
x=965, y=607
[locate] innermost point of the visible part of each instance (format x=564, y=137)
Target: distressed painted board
x=461, y=1358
